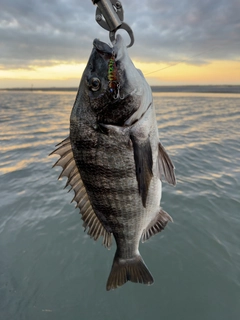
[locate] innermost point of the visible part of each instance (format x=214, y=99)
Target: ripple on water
x=48, y=263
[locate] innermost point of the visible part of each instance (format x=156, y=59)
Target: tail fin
x=124, y=270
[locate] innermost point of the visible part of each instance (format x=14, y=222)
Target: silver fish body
x=114, y=161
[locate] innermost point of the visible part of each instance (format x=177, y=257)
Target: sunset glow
x=218, y=72
x=192, y=42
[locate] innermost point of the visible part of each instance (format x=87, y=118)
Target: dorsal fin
x=70, y=170
x=156, y=225
x=165, y=166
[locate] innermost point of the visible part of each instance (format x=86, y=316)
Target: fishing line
x=181, y=61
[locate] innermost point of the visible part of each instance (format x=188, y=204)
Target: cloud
x=173, y=30
x=48, y=32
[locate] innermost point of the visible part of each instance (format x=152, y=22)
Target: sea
x=51, y=269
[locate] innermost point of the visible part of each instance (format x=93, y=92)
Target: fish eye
x=94, y=84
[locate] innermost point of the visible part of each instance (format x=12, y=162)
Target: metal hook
x=110, y=15
x=126, y=27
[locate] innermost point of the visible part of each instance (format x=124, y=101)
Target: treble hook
x=109, y=15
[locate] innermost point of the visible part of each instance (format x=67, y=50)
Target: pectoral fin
x=70, y=170
x=143, y=163
x=165, y=166
x=156, y=225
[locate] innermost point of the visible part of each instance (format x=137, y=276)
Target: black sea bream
x=114, y=161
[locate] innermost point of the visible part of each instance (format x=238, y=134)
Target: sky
x=177, y=42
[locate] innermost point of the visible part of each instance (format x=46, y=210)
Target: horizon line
x=222, y=88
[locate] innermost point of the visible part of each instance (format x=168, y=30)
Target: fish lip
x=119, y=48
x=102, y=47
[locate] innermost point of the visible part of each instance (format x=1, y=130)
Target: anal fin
x=156, y=225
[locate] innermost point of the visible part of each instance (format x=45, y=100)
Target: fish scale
x=118, y=201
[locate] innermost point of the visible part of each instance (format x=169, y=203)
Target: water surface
x=50, y=269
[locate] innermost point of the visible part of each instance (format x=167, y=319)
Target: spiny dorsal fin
x=143, y=164
x=165, y=166
x=70, y=170
x=156, y=225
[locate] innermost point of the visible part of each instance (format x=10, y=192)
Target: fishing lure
x=113, y=83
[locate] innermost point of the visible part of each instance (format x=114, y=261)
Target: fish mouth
x=118, y=49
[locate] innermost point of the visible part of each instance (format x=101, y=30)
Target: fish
x=114, y=161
